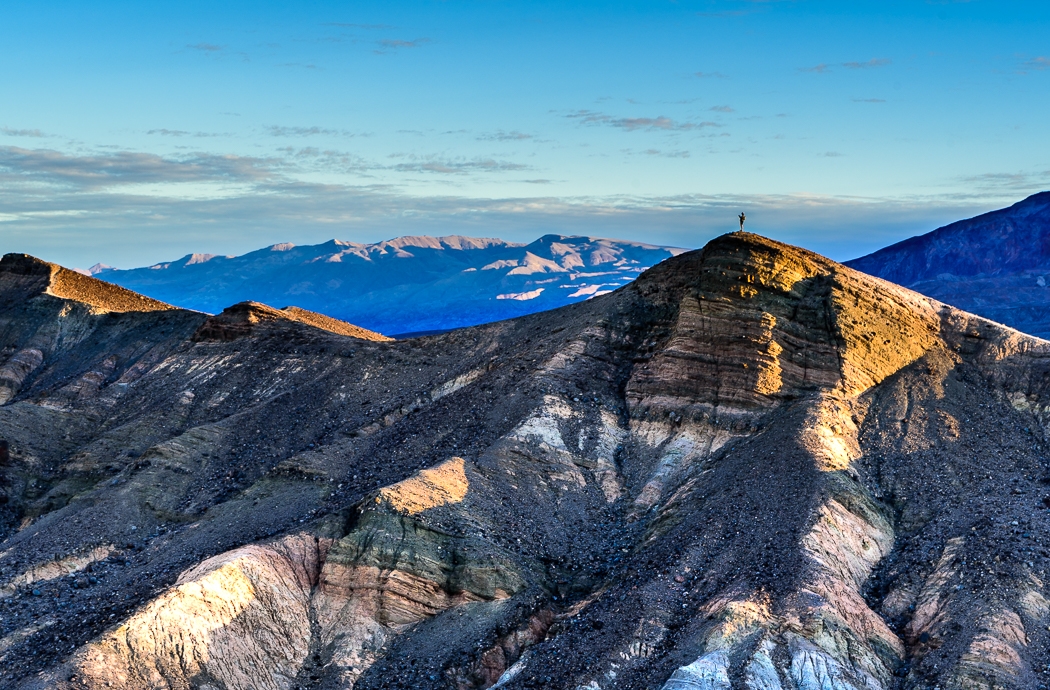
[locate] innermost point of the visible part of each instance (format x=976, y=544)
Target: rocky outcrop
x=238, y=621
x=752, y=468
x=27, y=276
x=16, y=369
x=238, y=322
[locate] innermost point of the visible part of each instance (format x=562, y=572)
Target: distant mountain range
x=996, y=265
x=404, y=285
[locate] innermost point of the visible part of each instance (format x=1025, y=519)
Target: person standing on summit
x=742, y=218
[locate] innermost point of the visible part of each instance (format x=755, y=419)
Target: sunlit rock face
x=751, y=468
x=237, y=620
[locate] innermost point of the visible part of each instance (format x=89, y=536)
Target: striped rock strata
x=750, y=468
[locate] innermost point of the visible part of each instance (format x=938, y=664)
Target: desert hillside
x=751, y=467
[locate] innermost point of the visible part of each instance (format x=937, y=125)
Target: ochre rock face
x=238, y=321
x=750, y=468
x=240, y=619
x=766, y=322
x=441, y=485
x=21, y=273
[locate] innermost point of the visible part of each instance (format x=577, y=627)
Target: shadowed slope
x=750, y=468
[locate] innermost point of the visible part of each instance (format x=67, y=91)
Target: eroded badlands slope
x=751, y=468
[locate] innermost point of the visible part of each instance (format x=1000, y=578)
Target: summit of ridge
x=31, y=275
x=237, y=320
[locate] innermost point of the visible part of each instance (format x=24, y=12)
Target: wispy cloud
x=1037, y=63
x=874, y=62
x=279, y=131
x=182, y=133
x=721, y=109
x=1017, y=181
x=831, y=154
x=315, y=159
x=709, y=75
x=666, y=154
x=119, y=170
x=455, y=166
x=12, y=132
x=97, y=171
x=633, y=124
x=217, y=52
x=869, y=64
x=501, y=135
x=390, y=44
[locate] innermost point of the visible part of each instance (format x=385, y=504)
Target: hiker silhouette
x=742, y=218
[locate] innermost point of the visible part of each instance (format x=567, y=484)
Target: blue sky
x=137, y=132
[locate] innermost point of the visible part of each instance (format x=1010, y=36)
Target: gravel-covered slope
x=750, y=468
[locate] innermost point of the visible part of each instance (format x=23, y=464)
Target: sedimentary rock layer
x=751, y=468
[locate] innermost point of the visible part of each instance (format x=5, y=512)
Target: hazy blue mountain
x=996, y=265
x=407, y=284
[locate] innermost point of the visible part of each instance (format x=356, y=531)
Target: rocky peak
x=239, y=320
x=28, y=276
x=759, y=321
